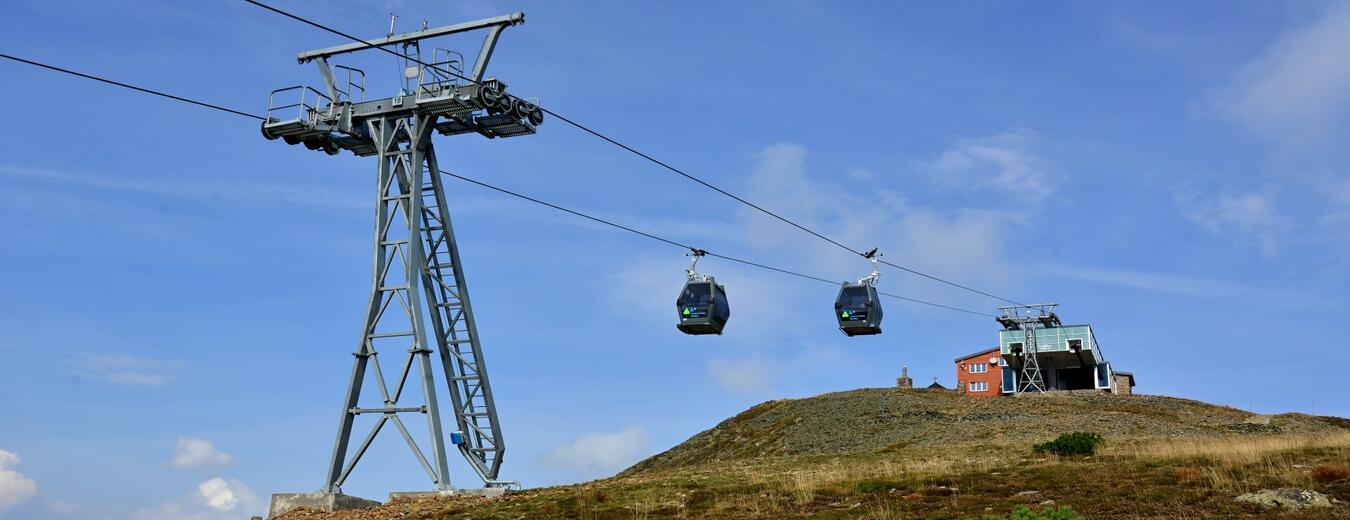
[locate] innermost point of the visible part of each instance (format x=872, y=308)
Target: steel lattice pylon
x=1029, y=318
x=419, y=300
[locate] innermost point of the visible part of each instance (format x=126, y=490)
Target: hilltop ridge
x=877, y=419
x=884, y=453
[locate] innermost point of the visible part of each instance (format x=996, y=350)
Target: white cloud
x=196, y=453
x=214, y=499
x=1003, y=162
x=122, y=369
x=1298, y=89
x=15, y=488
x=952, y=243
x=218, y=495
x=594, y=452
x=1244, y=214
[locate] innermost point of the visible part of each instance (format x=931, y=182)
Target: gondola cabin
x=858, y=310
x=703, y=307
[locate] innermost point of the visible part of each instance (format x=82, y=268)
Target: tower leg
x=405, y=268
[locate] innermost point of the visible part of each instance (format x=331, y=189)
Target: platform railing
x=356, y=84
x=308, y=110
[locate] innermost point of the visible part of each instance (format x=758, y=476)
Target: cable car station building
x=1069, y=358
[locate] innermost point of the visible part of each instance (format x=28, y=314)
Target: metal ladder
x=480, y=439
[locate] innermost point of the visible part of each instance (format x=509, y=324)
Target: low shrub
x=1330, y=472
x=1022, y=513
x=1072, y=443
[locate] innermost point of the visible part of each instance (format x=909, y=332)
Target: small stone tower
x=904, y=381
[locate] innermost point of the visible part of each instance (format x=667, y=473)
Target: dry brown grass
x=1228, y=450
x=1239, y=463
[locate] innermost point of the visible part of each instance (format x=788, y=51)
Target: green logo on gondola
x=844, y=315
x=686, y=311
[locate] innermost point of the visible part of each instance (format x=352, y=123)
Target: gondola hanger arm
x=695, y=253
x=871, y=279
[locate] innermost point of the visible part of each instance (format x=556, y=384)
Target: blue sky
x=182, y=295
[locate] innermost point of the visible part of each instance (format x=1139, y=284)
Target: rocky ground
x=875, y=419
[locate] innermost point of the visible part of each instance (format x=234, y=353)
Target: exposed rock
x=1289, y=498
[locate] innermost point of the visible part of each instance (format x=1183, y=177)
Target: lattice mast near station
x=418, y=288
x=1028, y=318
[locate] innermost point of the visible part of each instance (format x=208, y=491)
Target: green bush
x=1022, y=513
x=1072, y=443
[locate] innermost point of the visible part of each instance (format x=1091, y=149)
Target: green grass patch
x=1023, y=513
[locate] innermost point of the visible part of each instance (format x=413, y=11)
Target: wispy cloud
x=601, y=452
x=196, y=189
x=1003, y=162
x=122, y=369
x=15, y=488
x=197, y=453
x=1298, y=90
x=758, y=373
x=1155, y=282
x=962, y=244
x=1236, y=214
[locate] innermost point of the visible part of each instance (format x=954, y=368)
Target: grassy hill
x=887, y=453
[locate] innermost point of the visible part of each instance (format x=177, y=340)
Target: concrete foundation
x=326, y=502
x=492, y=492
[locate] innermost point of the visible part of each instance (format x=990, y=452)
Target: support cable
x=632, y=150
x=132, y=87
x=504, y=191
x=689, y=247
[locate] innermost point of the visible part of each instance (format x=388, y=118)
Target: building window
x=979, y=386
x=979, y=368
x=1002, y=362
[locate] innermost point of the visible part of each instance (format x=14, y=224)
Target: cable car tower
x=1028, y=318
x=419, y=301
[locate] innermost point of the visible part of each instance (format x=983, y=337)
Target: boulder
x=1289, y=498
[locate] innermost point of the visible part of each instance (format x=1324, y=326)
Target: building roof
x=937, y=386
x=980, y=353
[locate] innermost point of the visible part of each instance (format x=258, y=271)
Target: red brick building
x=980, y=373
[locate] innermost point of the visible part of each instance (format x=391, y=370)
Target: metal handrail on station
x=307, y=111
